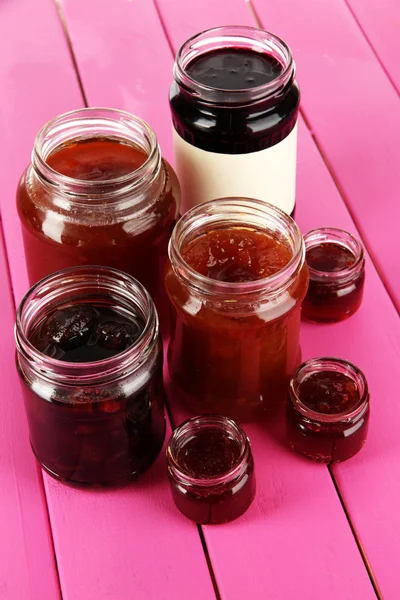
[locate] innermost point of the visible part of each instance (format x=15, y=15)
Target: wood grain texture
x=28, y=570
x=353, y=111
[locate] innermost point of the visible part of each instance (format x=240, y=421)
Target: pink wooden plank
x=28, y=568
x=380, y=22
x=37, y=82
x=354, y=113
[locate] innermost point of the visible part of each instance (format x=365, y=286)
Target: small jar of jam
x=211, y=470
x=236, y=281
x=98, y=192
x=336, y=264
x=327, y=410
x=89, y=358
x=234, y=103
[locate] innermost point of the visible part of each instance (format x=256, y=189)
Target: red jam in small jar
x=327, y=410
x=336, y=264
x=90, y=361
x=211, y=470
x=98, y=192
x=236, y=281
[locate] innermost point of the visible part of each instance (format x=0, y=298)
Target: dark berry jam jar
x=90, y=361
x=336, y=264
x=236, y=280
x=327, y=410
x=211, y=469
x=234, y=103
x=98, y=192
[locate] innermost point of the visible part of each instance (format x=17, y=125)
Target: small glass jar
x=336, y=264
x=211, y=470
x=235, y=343
x=98, y=192
x=234, y=103
x=99, y=422
x=328, y=410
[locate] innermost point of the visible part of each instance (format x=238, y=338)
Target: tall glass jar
x=99, y=422
x=234, y=103
x=234, y=344
x=98, y=192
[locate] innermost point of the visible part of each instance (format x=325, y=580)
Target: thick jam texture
x=207, y=456
x=238, y=129
x=334, y=394
x=61, y=232
x=94, y=435
x=335, y=298
x=233, y=356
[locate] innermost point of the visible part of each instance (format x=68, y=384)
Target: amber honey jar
x=98, y=192
x=211, y=469
x=327, y=410
x=89, y=357
x=336, y=264
x=236, y=280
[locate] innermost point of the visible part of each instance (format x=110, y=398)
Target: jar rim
x=212, y=212
x=255, y=36
x=124, y=121
x=341, y=237
x=193, y=426
x=91, y=372
x=333, y=364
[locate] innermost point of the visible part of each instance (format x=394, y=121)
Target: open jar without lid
x=98, y=191
x=336, y=265
x=89, y=357
x=327, y=410
x=211, y=469
x=234, y=103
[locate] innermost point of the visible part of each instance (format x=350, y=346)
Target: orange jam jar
x=236, y=280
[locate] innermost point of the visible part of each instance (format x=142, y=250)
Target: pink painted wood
x=353, y=111
x=37, y=83
x=380, y=22
x=28, y=568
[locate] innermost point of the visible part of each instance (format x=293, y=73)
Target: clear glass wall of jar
x=98, y=192
x=99, y=422
x=234, y=103
x=234, y=344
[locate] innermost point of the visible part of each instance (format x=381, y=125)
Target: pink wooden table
x=313, y=533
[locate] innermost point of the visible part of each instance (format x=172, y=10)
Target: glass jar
x=328, y=410
x=234, y=103
x=99, y=422
x=98, y=192
x=336, y=265
x=234, y=344
x=211, y=470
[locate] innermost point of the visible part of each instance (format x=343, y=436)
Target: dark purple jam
x=330, y=257
x=83, y=333
x=208, y=454
x=234, y=69
x=234, y=128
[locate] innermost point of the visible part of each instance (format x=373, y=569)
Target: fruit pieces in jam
x=327, y=418
x=84, y=436
x=235, y=357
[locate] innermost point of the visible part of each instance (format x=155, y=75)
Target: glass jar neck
x=237, y=38
x=89, y=123
x=97, y=285
x=340, y=237
x=335, y=365
x=223, y=213
x=212, y=423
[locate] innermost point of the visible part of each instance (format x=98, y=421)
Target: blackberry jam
x=98, y=192
x=236, y=281
x=89, y=358
x=211, y=470
x=327, y=410
x=336, y=264
x=234, y=104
